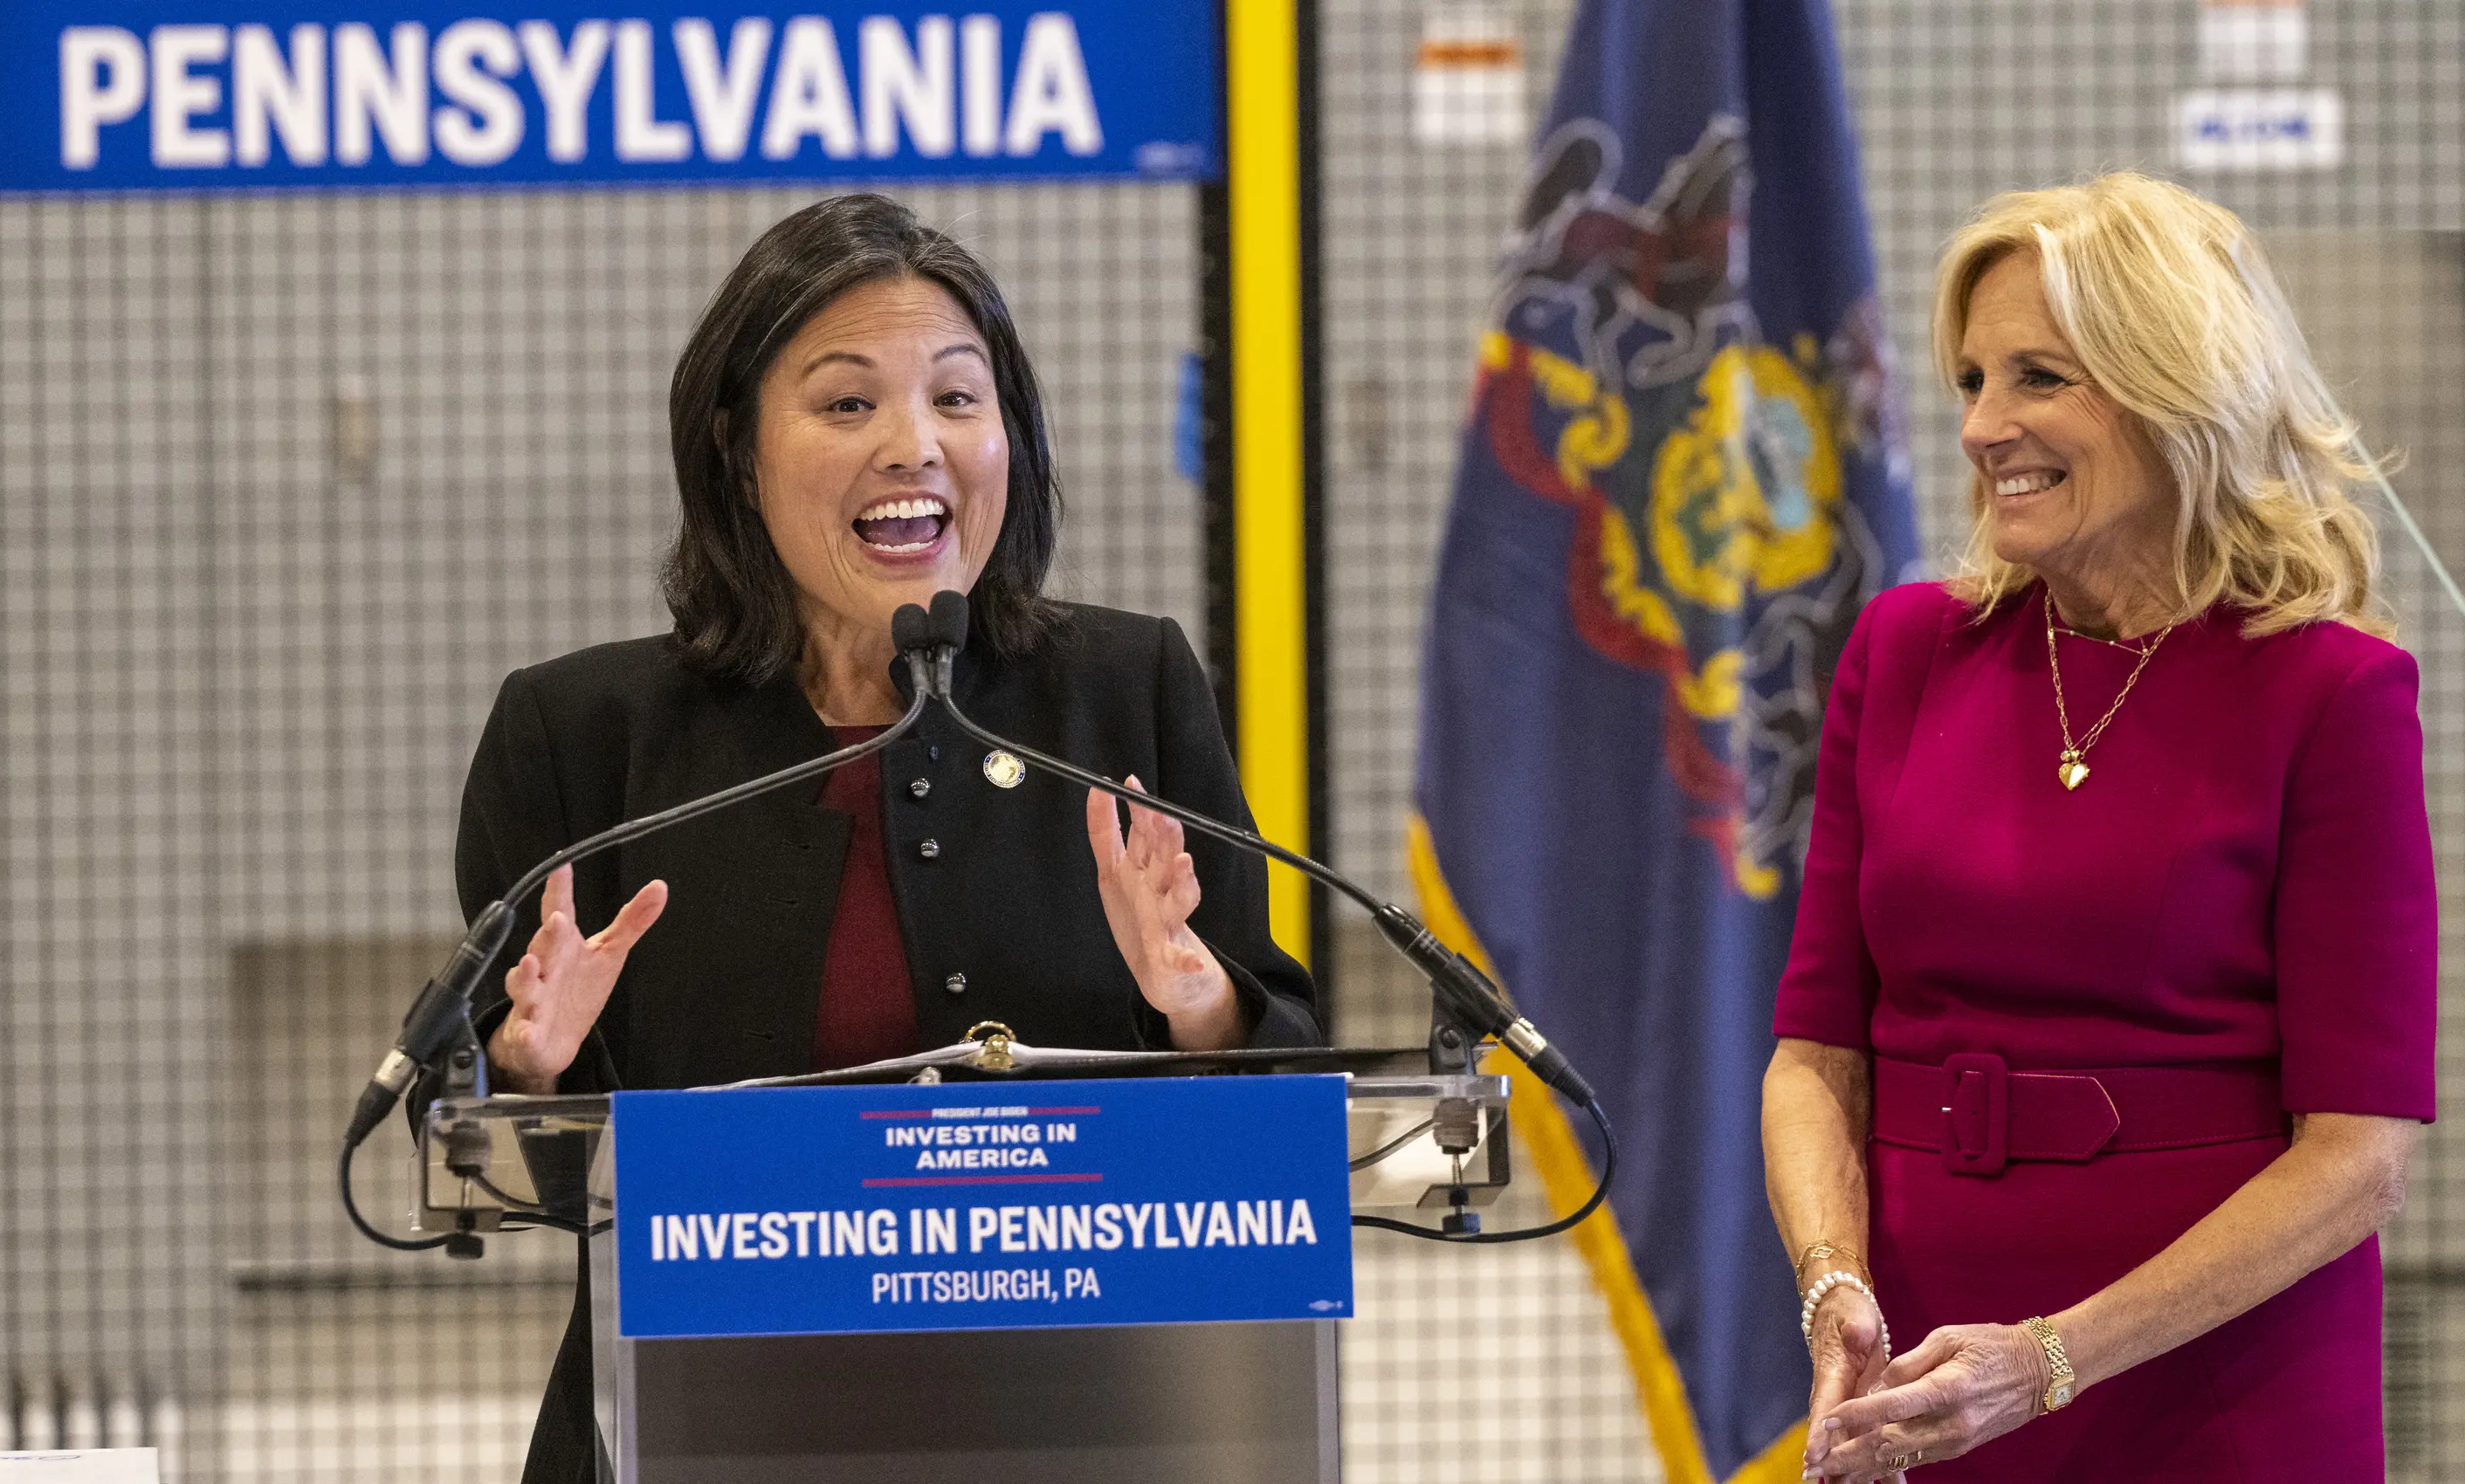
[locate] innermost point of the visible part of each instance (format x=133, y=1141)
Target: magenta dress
x=2242, y=886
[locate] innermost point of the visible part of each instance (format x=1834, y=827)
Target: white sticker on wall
x=82, y=1466
x=2253, y=42
x=1468, y=80
x=2252, y=129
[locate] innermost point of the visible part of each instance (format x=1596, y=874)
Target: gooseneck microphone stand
x=1467, y=1006
x=1466, y=1001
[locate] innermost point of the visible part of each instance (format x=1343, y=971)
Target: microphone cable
x=351, y=1209
x=1566, y=1222
x=529, y=1215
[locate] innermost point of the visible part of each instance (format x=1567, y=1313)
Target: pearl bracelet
x=1823, y=1286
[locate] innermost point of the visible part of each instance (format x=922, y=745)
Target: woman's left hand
x=1149, y=886
x=1967, y=1383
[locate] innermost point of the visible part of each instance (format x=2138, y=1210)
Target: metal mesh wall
x=287, y=484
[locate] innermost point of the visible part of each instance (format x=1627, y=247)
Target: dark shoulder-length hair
x=734, y=601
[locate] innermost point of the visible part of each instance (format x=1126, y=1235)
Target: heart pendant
x=2072, y=772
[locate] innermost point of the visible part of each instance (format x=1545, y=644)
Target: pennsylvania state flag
x=1682, y=474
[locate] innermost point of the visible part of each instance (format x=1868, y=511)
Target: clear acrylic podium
x=1196, y=1404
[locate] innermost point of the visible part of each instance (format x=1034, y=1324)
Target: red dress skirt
x=2243, y=880
x=2288, y=1392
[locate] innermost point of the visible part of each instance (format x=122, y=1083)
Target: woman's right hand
x=1848, y=1350
x=561, y=984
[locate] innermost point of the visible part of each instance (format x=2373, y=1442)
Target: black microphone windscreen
x=910, y=628
x=951, y=618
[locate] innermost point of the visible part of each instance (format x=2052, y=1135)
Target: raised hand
x=1966, y=1384
x=561, y=984
x=1149, y=887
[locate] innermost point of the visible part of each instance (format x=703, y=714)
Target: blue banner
x=982, y=1206
x=183, y=94
x=1683, y=474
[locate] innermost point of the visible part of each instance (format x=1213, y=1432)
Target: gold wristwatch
x=2059, y=1365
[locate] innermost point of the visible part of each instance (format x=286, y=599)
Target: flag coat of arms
x=1682, y=474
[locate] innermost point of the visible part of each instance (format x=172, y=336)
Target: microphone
x=951, y=618
x=931, y=642
x=437, y=1018
x=1463, y=991
x=440, y=1017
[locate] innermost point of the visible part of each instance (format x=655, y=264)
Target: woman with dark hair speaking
x=855, y=427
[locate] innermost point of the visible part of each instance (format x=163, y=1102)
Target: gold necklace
x=2070, y=770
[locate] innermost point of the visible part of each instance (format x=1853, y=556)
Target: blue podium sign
x=981, y=1206
x=189, y=94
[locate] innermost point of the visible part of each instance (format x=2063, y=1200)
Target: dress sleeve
x=1277, y=993
x=2357, y=932
x=1828, y=991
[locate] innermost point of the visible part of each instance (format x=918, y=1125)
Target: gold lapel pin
x=1003, y=769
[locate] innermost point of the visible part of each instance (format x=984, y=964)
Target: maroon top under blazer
x=866, y=1013
x=2092, y=1012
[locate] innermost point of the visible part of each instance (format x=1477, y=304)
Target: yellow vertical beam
x=1262, y=105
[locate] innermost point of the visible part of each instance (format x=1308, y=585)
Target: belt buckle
x=1976, y=1114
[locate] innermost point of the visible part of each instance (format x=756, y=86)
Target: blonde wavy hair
x=2170, y=305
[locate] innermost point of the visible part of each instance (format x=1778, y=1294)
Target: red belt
x=1982, y=1115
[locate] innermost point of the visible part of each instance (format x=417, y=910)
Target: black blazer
x=995, y=887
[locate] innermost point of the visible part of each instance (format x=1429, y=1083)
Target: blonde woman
x=2107, y=1027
